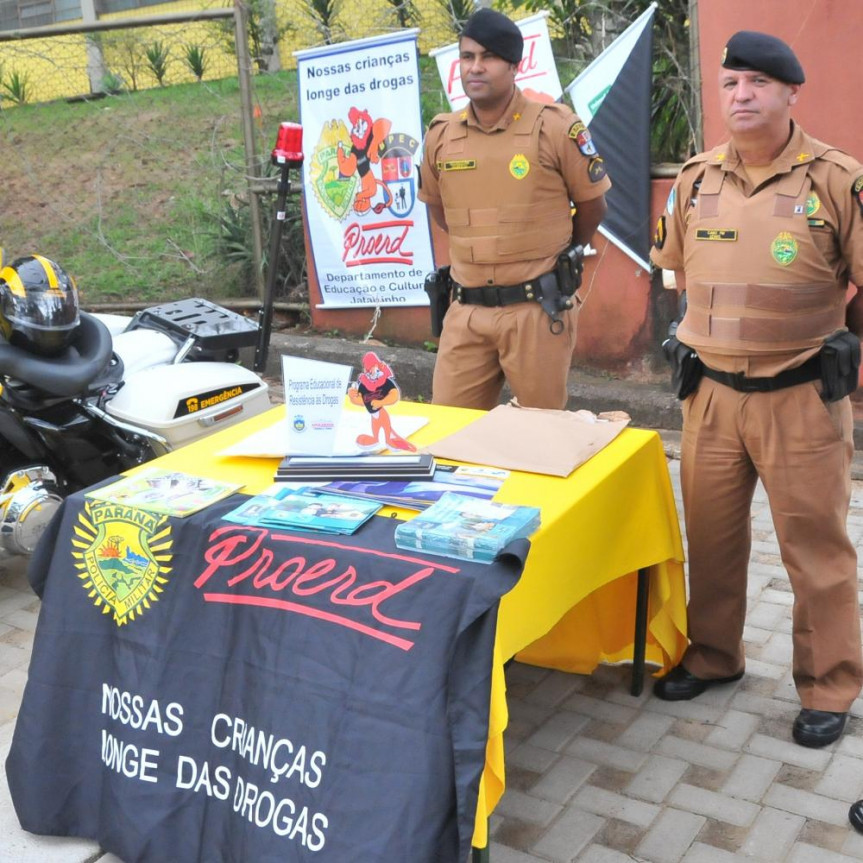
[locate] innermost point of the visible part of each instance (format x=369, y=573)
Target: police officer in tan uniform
x=764, y=234
x=499, y=176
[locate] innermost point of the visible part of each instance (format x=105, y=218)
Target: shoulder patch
x=659, y=235
x=580, y=134
x=596, y=169
x=857, y=191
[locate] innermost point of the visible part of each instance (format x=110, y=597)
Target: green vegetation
x=128, y=199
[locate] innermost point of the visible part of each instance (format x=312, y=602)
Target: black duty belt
x=809, y=371
x=503, y=295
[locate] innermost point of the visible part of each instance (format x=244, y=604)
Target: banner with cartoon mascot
x=537, y=74
x=362, y=122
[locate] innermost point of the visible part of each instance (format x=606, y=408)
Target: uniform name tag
x=723, y=235
x=458, y=165
x=816, y=223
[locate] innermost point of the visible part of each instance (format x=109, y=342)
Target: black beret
x=761, y=52
x=496, y=33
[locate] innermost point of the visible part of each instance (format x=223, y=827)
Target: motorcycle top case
x=188, y=401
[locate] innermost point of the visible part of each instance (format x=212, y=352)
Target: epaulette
x=842, y=159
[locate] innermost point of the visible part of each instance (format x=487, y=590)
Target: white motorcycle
x=126, y=390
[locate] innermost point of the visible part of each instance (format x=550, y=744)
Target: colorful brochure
x=466, y=528
x=304, y=509
x=165, y=491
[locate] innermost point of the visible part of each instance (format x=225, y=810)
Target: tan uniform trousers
x=481, y=346
x=801, y=448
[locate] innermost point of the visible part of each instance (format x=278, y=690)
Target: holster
x=570, y=265
x=686, y=366
x=840, y=365
x=438, y=286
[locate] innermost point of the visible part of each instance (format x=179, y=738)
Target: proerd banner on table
x=362, y=124
x=537, y=74
x=202, y=690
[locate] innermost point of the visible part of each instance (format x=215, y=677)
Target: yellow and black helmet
x=38, y=305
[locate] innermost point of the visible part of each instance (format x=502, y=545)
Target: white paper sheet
x=272, y=441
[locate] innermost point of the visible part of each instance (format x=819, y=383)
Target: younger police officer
x=764, y=233
x=499, y=177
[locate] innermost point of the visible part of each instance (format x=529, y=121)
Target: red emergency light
x=289, y=145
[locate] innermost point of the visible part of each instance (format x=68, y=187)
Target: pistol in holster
x=686, y=366
x=438, y=286
x=840, y=366
x=558, y=287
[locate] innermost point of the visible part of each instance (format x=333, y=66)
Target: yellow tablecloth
x=574, y=605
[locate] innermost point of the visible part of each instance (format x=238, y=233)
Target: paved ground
x=598, y=776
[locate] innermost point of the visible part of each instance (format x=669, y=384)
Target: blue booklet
x=304, y=509
x=471, y=480
x=467, y=528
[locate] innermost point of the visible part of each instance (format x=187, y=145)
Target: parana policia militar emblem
x=784, y=249
x=519, y=166
x=122, y=555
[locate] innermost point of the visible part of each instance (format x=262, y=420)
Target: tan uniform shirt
x=802, y=225
x=507, y=189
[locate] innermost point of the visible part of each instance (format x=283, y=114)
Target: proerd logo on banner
x=123, y=558
x=364, y=171
x=339, y=584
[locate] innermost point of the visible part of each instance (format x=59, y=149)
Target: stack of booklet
x=304, y=509
x=467, y=528
x=298, y=468
x=470, y=480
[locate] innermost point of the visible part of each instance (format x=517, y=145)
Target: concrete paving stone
x=843, y=779
x=757, y=666
x=807, y=804
x=569, y=835
x=552, y=690
x=772, y=835
x=769, y=707
x=645, y=731
x=22, y=618
x=701, y=853
x=600, y=709
x=733, y=730
x=598, y=752
x=802, y=853
x=755, y=635
x=789, y=752
x=751, y=777
x=13, y=656
x=657, y=778
x=612, y=805
x=526, y=807
x=850, y=745
x=558, y=730
x=698, y=709
x=530, y=757
x=713, y=804
x=600, y=854
x=853, y=845
x=563, y=779
x=780, y=597
x=670, y=836
x=698, y=753
x=503, y=854
x=766, y=614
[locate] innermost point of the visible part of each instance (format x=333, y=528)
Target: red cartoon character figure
x=376, y=389
x=366, y=138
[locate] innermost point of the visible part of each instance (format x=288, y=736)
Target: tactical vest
x=502, y=206
x=756, y=283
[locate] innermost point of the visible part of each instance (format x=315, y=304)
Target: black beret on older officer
x=500, y=176
x=764, y=233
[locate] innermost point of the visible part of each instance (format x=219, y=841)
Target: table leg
x=640, y=643
x=479, y=855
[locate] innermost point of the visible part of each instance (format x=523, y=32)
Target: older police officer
x=499, y=177
x=764, y=233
